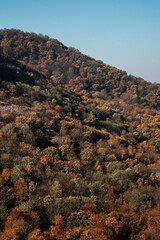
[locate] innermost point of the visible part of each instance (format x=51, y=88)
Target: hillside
x=79, y=145
x=67, y=66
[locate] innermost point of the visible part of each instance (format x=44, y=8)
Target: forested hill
x=79, y=146
x=67, y=66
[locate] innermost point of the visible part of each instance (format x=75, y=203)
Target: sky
x=121, y=33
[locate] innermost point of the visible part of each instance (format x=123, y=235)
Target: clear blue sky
x=122, y=33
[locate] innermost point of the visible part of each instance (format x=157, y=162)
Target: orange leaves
x=130, y=218
x=96, y=228
x=94, y=234
x=14, y=226
x=153, y=221
x=58, y=220
x=111, y=222
x=28, y=169
x=81, y=108
x=36, y=235
x=6, y=174
x=45, y=160
x=69, y=234
x=110, y=193
x=1, y=134
x=57, y=231
x=21, y=191
x=10, y=234
x=26, y=146
x=88, y=209
x=147, y=147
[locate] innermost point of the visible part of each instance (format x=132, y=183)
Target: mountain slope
x=77, y=160
x=67, y=66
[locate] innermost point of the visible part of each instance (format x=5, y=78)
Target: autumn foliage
x=79, y=145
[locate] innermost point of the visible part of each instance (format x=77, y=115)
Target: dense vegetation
x=79, y=145
x=67, y=66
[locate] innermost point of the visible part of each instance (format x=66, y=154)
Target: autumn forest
x=79, y=145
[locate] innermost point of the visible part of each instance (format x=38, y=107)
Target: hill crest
x=82, y=74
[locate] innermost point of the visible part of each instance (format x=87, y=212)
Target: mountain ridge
x=67, y=66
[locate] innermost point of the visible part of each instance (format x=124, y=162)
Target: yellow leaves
x=43, y=161
x=93, y=135
x=111, y=222
x=66, y=145
x=131, y=162
x=26, y=146
x=149, y=129
x=87, y=235
x=46, y=160
x=87, y=155
x=147, y=147
x=157, y=176
x=114, y=222
x=68, y=124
